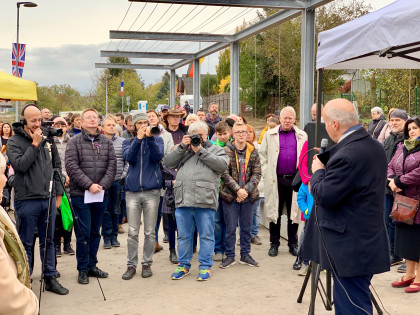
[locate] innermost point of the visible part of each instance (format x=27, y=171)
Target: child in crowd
x=223, y=134
x=239, y=193
x=305, y=202
x=273, y=122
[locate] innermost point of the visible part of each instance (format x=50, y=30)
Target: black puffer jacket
x=90, y=162
x=32, y=166
x=375, y=126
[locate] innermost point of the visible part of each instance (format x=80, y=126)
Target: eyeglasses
x=243, y=132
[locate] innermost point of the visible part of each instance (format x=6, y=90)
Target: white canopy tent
x=388, y=38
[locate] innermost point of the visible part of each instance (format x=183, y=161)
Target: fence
x=222, y=99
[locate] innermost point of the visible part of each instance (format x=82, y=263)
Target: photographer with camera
x=32, y=162
x=142, y=185
x=200, y=165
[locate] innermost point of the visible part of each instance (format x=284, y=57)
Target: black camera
x=195, y=140
x=48, y=130
x=155, y=131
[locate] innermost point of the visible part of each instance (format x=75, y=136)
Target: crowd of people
x=204, y=177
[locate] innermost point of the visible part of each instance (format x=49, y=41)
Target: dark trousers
x=161, y=216
x=390, y=226
x=358, y=290
x=31, y=214
x=284, y=187
x=122, y=205
x=234, y=212
x=110, y=218
x=171, y=230
x=90, y=219
x=60, y=232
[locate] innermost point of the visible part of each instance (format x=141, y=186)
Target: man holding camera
x=32, y=162
x=142, y=185
x=200, y=165
x=91, y=165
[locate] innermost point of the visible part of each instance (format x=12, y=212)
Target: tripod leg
x=375, y=303
x=304, y=284
x=329, y=293
x=314, y=286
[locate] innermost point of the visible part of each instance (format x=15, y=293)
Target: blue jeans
x=111, y=217
x=256, y=217
x=186, y=219
x=389, y=201
x=219, y=230
x=31, y=214
x=233, y=212
x=87, y=226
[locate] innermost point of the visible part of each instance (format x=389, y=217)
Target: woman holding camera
x=404, y=178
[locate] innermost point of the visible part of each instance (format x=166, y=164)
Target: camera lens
x=195, y=140
x=154, y=131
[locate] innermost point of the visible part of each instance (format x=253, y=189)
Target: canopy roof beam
x=132, y=66
x=278, y=4
x=134, y=54
x=189, y=37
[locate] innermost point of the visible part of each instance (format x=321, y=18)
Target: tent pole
x=318, y=109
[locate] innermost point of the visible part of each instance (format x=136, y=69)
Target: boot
x=158, y=247
x=173, y=258
x=298, y=263
x=52, y=285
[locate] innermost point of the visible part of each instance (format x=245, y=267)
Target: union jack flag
x=18, y=51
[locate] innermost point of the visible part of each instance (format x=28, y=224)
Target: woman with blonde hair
x=191, y=118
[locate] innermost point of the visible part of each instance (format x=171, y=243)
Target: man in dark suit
x=349, y=217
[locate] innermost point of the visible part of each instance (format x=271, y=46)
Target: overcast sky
x=64, y=37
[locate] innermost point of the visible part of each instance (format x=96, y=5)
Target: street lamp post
x=29, y=5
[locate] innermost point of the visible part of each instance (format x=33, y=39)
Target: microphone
x=324, y=144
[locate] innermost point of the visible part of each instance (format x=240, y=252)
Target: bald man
x=31, y=161
x=347, y=227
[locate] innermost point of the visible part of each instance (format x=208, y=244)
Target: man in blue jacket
x=346, y=230
x=142, y=185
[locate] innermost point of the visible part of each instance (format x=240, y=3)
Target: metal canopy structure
x=211, y=42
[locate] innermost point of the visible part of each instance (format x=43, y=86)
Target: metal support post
x=196, y=85
x=307, y=66
x=172, y=88
x=234, y=78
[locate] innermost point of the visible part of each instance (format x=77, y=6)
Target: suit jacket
x=349, y=211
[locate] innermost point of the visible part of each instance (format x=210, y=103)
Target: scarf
x=410, y=144
x=15, y=249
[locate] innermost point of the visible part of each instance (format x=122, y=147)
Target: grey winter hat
x=139, y=116
x=399, y=113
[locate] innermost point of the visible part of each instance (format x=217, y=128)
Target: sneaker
x=180, y=272
x=120, y=229
x=107, y=244
x=218, y=257
x=256, y=240
x=402, y=268
x=52, y=285
x=69, y=250
x=204, y=275
x=173, y=258
x=58, y=251
x=227, y=263
x=304, y=270
x=298, y=263
x=115, y=243
x=248, y=260
x=129, y=273
x=166, y=239
x=146, y=271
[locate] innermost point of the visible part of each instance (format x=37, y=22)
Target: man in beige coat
x=279, y=153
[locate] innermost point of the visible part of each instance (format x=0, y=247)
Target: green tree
x=164, y=88
x=208, y=85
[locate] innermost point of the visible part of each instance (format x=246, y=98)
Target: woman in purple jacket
x=404, y=178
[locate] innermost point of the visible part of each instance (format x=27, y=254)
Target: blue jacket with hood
x=143, y=157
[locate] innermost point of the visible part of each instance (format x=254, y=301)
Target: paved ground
x=271, y=288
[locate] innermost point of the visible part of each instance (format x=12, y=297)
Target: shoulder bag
x=404, y=209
